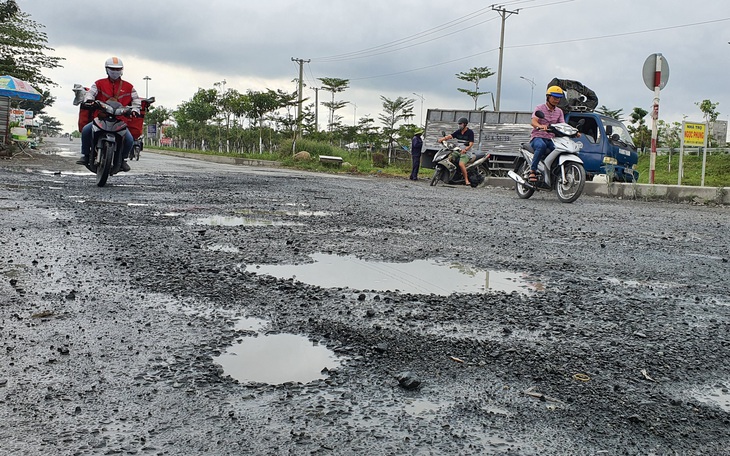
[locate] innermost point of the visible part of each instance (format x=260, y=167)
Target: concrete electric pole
x=505, y=14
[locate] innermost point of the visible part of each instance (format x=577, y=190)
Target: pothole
x=418, y=277
x=277, y=359
x=717, y=395
x=222, y=220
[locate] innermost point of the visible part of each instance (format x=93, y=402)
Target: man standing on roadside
x=416, y=147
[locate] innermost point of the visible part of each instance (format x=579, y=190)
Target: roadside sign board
x=151, y=130
x=694, y=134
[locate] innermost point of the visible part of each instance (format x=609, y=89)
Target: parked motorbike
x=562, y=170
x=447, y=168
x=108, y=130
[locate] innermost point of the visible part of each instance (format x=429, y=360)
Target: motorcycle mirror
x=539, y=114
x=443, y=133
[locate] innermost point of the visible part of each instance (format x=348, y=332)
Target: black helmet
x=463, y=120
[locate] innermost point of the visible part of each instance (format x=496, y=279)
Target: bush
x=379, y=160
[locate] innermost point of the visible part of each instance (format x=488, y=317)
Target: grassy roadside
x=717, y=170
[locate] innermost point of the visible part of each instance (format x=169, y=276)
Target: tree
x=710, y=113
x=334, y=85
x=157, y=116
x=614, y=114
x=50, y=125
x=394, y=112
x=262, y=103
x=23, y=46
x=638, y=129
x=475, y=75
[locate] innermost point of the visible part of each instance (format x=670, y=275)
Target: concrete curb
x=675, y=193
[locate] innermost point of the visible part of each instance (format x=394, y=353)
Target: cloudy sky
x=394, y=48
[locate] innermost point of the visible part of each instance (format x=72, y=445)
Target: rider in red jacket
x=112, y=88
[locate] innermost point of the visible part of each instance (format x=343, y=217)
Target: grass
x=717, y=170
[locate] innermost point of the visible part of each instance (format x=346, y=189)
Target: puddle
x=718, y=395
x=290, y=212
x=423, y=408
x=66, y=173
x=418, y=277
x=250, y=324
x=223, y=248
x=219, y=220
x=277, y=359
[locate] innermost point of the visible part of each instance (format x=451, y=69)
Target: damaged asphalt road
x=117, y=303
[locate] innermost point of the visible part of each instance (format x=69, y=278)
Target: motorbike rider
x=541, y=140
x=111, y=88
x=465, y=134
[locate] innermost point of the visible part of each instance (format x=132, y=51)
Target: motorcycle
x=447, y=166
x=136, y=149
x=562, y=170
x=108, y=131
x=136, y=126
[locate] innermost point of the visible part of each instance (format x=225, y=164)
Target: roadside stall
x=12, y=87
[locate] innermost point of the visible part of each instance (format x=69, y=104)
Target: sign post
x=656, y=75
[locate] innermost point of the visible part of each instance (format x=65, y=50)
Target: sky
x=394, y=48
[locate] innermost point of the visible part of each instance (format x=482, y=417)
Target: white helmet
x=114, y=63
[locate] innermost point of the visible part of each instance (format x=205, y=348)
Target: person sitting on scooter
x=541, y=140
x=111, y=88
x=464, y=134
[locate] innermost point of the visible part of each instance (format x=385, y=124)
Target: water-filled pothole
x=221, y=220
x=717, y=395
x=419, y=276
x=277, y=359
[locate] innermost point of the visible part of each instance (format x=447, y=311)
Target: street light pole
x=422, y=100
x=147, y=80
x=532, y=88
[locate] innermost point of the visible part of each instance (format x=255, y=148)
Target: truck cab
x=607, y=146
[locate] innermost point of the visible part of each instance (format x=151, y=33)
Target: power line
x=660, y=29
x=438, y=28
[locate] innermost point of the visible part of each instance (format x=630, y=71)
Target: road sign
x=649, y=72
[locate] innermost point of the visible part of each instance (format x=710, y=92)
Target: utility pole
x=422, y=100
x=301, y=63
x=504, y=14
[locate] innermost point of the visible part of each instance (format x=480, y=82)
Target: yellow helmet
x=555, y=91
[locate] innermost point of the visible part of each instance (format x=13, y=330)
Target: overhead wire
x=516, y=46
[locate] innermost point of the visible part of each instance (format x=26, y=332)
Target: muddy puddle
x=717, y=395
x=418, y=277
x=223, y=220
x=276, y=358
